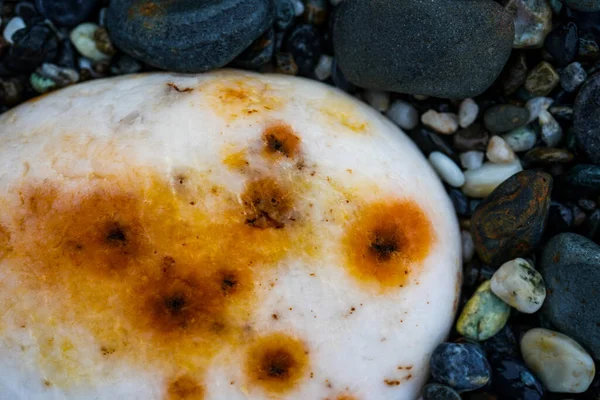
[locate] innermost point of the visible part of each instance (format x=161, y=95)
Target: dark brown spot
x=178, y=89
x=267, y=204
x=280, y=140
x=390, y=382
x=185, y=388
x=116, y=235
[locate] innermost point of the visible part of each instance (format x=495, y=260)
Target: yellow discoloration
x=340, y=111
x=235, y=159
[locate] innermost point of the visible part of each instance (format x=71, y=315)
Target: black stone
x=474, y=137
x=284, y=14
x=570, y=265
x=513, y=380
x=592, y=226
x=26, y=11
x=33, y=45
x=502, y=345
x=67, y=12
x=442, y=48
x=581, y=180
x=436, y=391
x=187, y=35
x=429, y=142
x=66, y=55
x=339, y=80
x=586, y=118
x=259, y=53
x=505, y=117
x=11, y=92
x=515, y=73
x=460, y=202
x=560, y=219
x=583, y=5
x=305, y=44
x=462, y=366
x=562, y=44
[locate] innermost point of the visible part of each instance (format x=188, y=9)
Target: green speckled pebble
x=484, y=314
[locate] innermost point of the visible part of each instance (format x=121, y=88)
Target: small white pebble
x=468, y=247
x=467, y=112
x=498, y=151
x=482, y=181
x=12, y=26
x=560, y=362
x=82, y=38
x=323, y=68
x=447, y=169
x=471, y=159
x=519, y=285
x=378, y=99
x=403, y=114
x=521, y=139
x=537, y=105
x=298, y=7
x=445, y=123
x=551, y=130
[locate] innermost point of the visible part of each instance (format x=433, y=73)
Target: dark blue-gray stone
x=436, y=391
x=441, y=48
x=462, y=366
x=583, y=5
x=67, y=12
x=570, y=265
x=581, y=180
x=586, y=118
x=187, y=35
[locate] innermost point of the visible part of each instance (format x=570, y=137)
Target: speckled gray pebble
x=586, y=118
x=570, y=265
x=505, y=117
x=436, y=391
x=442, y=48
x=462, y=366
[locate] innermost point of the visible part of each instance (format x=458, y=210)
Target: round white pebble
x=11, y=27
x=445, y=123
x=467, y=112
x=498, y=151
x=82, y=38
x=447, y=169
x=560, y=362
x=482, y=181
x=519, y=285
x=404, y=114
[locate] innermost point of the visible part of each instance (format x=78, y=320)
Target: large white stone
x=228, y=235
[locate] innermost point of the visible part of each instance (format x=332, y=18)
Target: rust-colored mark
x=280, y=141
x=173, y=86
x=276, y=363
x=268, y=204
x=391, y=382
x=184, y=388
x=386, y=242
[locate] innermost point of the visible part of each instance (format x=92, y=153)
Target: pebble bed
x=521, y=161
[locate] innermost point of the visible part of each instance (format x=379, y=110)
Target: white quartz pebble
x=404, y=114
x=536, y=106
x=82, y=38
x=377, y=99
x=551, y=130
x=468, y=245
x=445, y=123
x=471, y=159
x=498, y=151
x=519, y=285
x=560, y=362
x=482, y=181
x=520, y=139
x=467, y=112
x=447, y=169
x=323, y=68
x=11, y=27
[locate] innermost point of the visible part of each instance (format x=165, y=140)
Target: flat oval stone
x=484, y=315
x=505, y=117
x=570, y=265
x=559, y=361
x=484, y=180
x=462, y=366
x=586, y=118
x=581, y=180
x=547, y=155
x=187, y=35
x=519, y=285
x=474, y=137
x=448, y=48
x=509, y=223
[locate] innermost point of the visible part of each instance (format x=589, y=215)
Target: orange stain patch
x=234, y=98
x=235, y=160
x=280, y=141
x=277, y=363
x=155, y=281
x=385, y=243
x=184, y=388
x=268, y=204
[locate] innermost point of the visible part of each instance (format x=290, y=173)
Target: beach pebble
x=551, y=131
x=542, y=79
x=467, y=112
x=378, y=99
x=447, y=169
x=562, y=44
x=482, y=181
x=536, y=105
x=467, y=246
x=436, y=391
x=559, y=361
x=583, y=5
x=586, y=118
x=82, y=38
x=520, y=139
x=498, y=151
x=514, y=381
x=471, y=159
x=323, y=68
x=484, y=315
x=519, y=285
x=510, y=222
x=475, y=137
x=66, y=12
x=505, y=117
x=445, y=123
x=462, y=366
x=404, y=114
x=533, y=21
x=13, y=25
x=572, y=76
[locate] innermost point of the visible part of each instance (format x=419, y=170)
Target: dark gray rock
x=462, y=366
x=586, y=118
x=505, y=117
x=581, y=180
x=570, y=265
x=187, y=35
x=583, y=5
x=442, y=48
